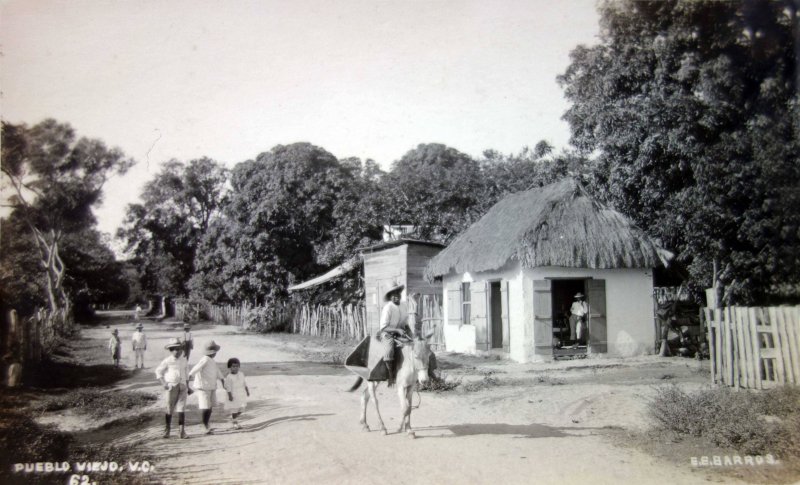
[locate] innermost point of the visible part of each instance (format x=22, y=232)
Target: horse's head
x=422, y=356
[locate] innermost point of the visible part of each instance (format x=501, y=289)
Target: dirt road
x=302, y=427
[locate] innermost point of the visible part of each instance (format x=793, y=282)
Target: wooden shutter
x=504, y=315
x=479, y=317
x=454, y=304
x=598, y=339
x=543, y=317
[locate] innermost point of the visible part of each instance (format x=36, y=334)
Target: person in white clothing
x=206, y=375
x=237, y=389
x=394, y=322
x=577, y=319
x=174, y=377
x=139, y=345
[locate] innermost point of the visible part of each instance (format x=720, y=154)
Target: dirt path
x=302, y=427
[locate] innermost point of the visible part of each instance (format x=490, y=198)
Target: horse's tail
x=356, y=384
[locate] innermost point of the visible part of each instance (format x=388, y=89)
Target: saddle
x=366, y=360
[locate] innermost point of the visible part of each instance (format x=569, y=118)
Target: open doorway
x=563, y=292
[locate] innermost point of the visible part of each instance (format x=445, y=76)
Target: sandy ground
x=544, y=423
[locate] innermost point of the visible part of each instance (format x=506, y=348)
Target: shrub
x=96, y=402
x=727, y=418
x=439, y=384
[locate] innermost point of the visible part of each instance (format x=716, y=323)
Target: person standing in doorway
x=139, y=345
x=577, y=319
x=394, y=322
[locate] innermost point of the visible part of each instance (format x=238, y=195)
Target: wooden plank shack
x=397, y=262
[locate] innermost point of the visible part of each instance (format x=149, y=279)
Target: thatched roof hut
x=555, y=225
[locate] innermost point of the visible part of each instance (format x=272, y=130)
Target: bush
x=439, y=384
x=96, y=402
x=267, y=319
x=728, y=418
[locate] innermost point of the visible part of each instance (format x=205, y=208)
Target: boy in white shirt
x=139, y=344
x=206, y=376
x=172, y=374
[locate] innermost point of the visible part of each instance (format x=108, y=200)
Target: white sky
x=231, y=79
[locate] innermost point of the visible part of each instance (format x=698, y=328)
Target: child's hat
x=173, y=343
x=139, y=325
x=211, y=347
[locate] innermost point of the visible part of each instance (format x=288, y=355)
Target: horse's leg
x=364, y=402
x=372, y=385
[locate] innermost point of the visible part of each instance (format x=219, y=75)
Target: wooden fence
x=32, y=338
x=345, y=321
x=754, y=348
x=429, y=310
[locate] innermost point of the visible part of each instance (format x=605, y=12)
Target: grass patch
x=749, y=422
x=96, y=402
x=440, y=383
x=487, y=382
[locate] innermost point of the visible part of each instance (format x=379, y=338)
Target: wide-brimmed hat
x=115, y=331
x=173, y=342
x=211, y=347
x=139, y=325
x=391, y=290
x=579, y=295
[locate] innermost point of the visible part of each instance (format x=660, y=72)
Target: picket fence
x=754, y=348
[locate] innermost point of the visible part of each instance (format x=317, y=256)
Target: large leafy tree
x=435, y=188
x=164, y=231
x=55, y=180
x=279, y=226
x=692, y=111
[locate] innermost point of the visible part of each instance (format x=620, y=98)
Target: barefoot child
x=237, y=389
x=206, y=376
x=172, y=375
x=115, y=346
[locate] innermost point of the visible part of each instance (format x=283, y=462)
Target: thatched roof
x=555, y=225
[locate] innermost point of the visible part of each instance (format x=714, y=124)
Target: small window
x=465, y=304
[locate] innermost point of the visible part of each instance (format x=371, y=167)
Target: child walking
x=139, y=345
x=115, y=346
x=172, y=374
x=206, y=376
x=237, y=389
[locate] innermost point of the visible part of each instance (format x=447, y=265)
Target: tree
x=56, y=180
x=164, y=231
x=294, y=212
x=435, y=188
x=691, y=108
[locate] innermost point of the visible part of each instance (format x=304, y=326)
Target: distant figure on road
x=577, y=319
x=188, y=342
x=139, y=345
x=174, y=377
x=115, y=346
x=136, y=313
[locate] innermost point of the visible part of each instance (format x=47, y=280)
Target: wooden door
x=479, y=315
x=543, y=317
x=598, y=339
x=496, y=307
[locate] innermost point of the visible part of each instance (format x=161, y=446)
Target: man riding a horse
x=393, y=324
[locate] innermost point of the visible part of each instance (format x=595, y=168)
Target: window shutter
x=479, y=316
x=543, y=317
x=598, y=339
x=454, y=304
x=504, y=306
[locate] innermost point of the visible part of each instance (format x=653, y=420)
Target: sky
x=229, y=80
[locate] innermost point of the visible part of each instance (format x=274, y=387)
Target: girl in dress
x=237, y=389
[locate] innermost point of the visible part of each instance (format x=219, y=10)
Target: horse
x=413, y=359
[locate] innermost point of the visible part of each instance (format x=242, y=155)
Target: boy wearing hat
x=139, y=344
x=394, y=322
x=206, y=376
x=188, y=342
x=173, y=376
x=115, y=346
x=577, y=318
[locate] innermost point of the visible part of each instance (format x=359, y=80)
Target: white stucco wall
x=629, y=309
x=629, y=305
